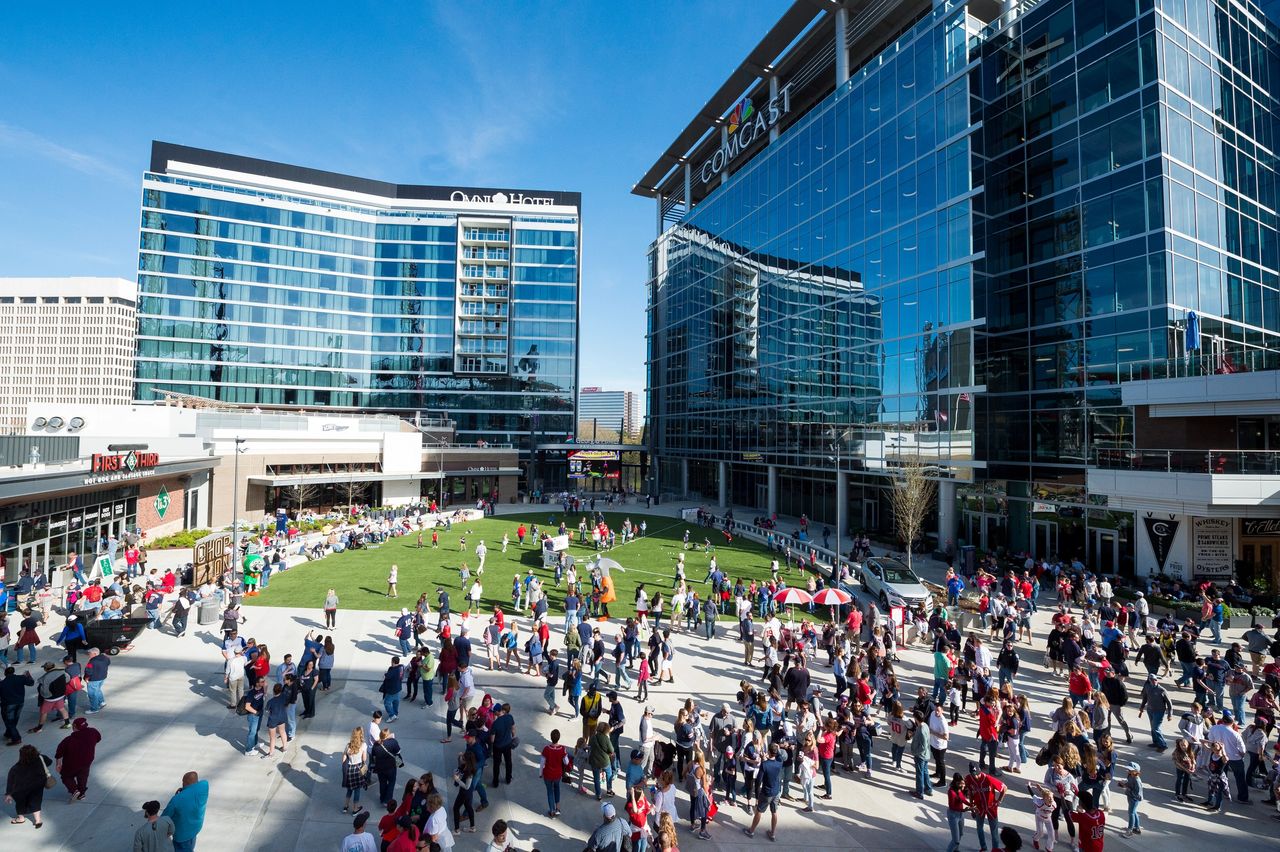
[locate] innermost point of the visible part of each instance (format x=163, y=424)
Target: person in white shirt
x=233, y=676
x=374, y=730
x=481, y=553
x=1104, y=591
x=981, y=653
x=1228, y=734
x=359, y=840
x=437, y=827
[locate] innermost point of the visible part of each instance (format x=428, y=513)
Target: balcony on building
x=1186, y=481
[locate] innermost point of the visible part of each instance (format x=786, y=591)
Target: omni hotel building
x=276, y=286
x=1032, y=246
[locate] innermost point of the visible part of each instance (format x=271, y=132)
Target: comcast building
x=963, y=234
x=277, y=286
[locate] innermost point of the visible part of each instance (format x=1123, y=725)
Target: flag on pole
x=940, y=415
x=964, y=397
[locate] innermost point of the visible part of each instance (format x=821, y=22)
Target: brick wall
x=174, y=519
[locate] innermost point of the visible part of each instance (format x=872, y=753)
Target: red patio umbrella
x=833, y=598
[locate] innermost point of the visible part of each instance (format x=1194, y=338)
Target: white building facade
x=64, y=341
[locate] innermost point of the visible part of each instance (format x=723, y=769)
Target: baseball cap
x=1134, y=767
x=649, y=709
x=80, y=723
x=637, y=754
x=49, y=666
x=360, y=819
x=608, y=810
x=973, y=768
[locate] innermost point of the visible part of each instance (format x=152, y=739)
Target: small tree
x=910, y=499
x=303, y=493
x=354, y=492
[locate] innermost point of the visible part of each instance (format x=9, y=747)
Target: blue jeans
x=924, y=786
x=1237, y=704
x=406, y=647
x=291, y=721
x=895, y=754
x=939, y=689
x=955, y=821
x=553, y=795
x=428, y=683
x=607, y=772
x=251, y=741
x=1216, y=626
x=391, y=705
x=549, y=695
x=1006, y=676
x=825, y=763
x=72, y=698
x=1186, y=674
x=1157, y=738
x=994, y=823
x=1134, y=821
x=31, y=650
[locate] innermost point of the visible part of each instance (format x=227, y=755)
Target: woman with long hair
x=667, y=840
x=308, y=680
x=355, y=770
x=331, y=610
x=326, y=664
x=464, y=778
x=452, y=697
x=25, y=786
x=384, y=759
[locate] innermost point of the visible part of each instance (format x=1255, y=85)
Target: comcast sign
x=746, y=124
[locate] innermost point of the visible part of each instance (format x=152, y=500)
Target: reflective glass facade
x=273, y=295
x=1030, y=208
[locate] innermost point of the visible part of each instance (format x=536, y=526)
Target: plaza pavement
x=166, y=714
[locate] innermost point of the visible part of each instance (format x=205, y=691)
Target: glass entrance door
x=1104, y=551
x=870, y=515
x=1044, y=539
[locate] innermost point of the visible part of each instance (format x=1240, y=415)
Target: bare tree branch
x=910, y=500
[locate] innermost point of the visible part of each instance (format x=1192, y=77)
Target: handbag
x=515, y=743
x=49, y=781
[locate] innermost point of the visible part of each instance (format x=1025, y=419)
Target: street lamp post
x=837, y=446
x=235, y=507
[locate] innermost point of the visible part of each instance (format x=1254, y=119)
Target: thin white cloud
x=494, y=118
x=25, y=142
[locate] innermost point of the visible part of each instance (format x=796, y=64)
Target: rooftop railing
x=1227, y=462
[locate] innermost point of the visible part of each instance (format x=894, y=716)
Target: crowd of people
x=817, y=703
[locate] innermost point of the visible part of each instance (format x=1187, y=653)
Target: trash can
x=210, y=612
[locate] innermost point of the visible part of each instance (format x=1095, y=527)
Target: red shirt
x=406, y=841
x=1091, y=825
x=553, y=757
x=638, y=812
x=956, y=801
x=988, y=716
x=984, y=794
x=827, y=745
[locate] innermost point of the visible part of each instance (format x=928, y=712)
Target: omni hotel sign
x=746, y=125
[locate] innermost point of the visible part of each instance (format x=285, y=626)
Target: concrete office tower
x=64, y=341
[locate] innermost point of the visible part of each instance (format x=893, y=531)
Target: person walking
x=770, y=781
x=52, y=689
x=502, y=734
x=957, y=804
x=601, y=759
x=355, y=770
x=95, y=675
x=384, y=760
x=1155, y=702
x=13, y=694
x=254, y=705
x=392, y=579
x=233, y=676
x=74, y=757
x=392, y=680
x=156, y=832
x=25, y=786
x=186, y=810
x=277, y=716
x=331, y=610
x=552, y=766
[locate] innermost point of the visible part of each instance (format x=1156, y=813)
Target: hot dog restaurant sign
x=115, y=467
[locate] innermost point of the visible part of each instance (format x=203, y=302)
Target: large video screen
x=595, y=464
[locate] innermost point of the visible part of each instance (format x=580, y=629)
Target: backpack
x=242, y=706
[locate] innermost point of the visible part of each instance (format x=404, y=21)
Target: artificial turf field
x=360, y=576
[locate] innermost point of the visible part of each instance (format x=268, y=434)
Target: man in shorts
x=770, y=793
x=53, y=697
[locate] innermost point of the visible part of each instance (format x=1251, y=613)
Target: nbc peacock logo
x=741, y=114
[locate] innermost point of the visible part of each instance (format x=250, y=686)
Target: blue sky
x=559, y=95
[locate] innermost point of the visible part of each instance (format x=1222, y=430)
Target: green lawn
x=360, y=576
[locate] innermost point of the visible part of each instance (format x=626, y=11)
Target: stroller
x=664, y=757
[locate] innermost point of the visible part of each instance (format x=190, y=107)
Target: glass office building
x=277, y=286
x=1029, y=201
